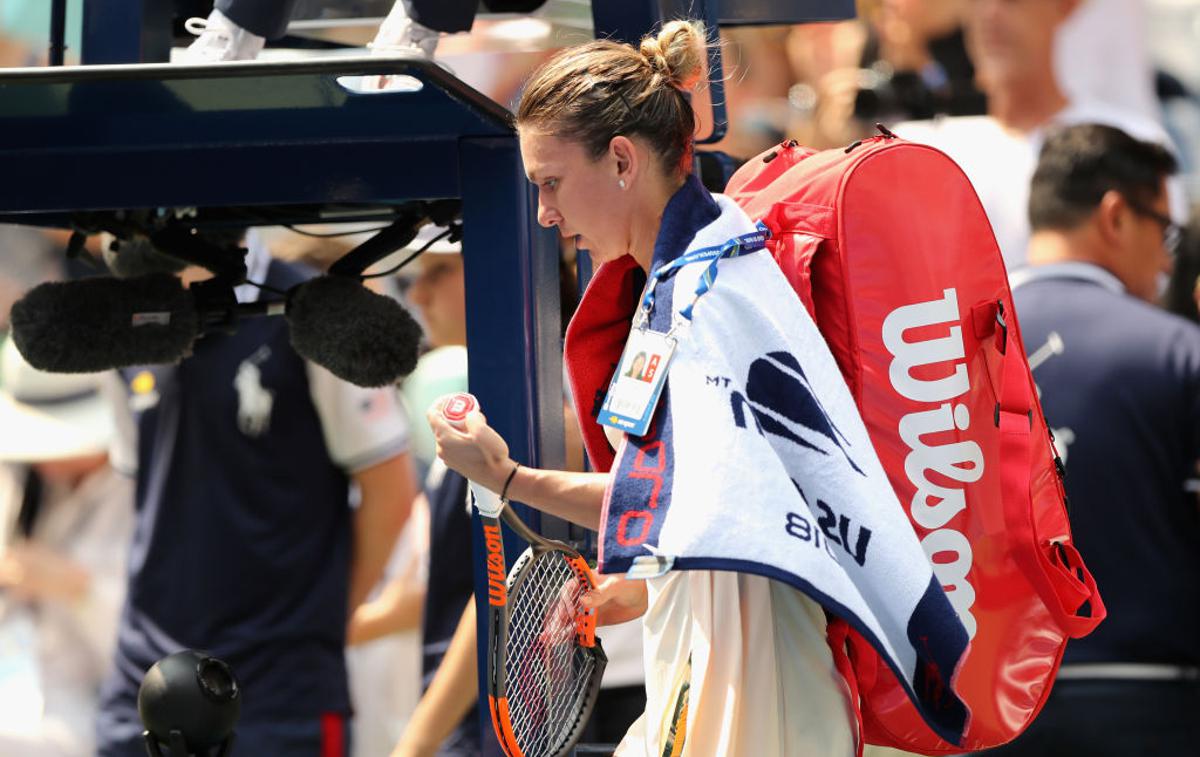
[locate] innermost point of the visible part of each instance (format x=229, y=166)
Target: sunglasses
x=1172, y=233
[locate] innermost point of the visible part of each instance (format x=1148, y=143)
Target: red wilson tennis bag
x=888, y=247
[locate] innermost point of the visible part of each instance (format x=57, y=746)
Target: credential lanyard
x=742, y=245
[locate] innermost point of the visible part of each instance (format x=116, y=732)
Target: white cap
x=50, y=416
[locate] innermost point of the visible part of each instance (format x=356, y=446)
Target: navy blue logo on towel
x=782, y=402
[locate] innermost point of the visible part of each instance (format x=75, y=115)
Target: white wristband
x=487, y=501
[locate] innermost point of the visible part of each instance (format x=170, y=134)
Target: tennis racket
x=544, y=662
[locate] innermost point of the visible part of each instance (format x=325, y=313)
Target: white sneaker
x=400, y=35
x=218, y=39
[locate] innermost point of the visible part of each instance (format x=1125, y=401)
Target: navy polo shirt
x=1120, y=386
x=243, y=538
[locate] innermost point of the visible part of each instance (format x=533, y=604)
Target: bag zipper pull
x=884, y=133
x=786, y=145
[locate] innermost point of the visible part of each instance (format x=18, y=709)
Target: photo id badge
x=635, y=389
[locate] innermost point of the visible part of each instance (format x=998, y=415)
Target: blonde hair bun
x=677, y=53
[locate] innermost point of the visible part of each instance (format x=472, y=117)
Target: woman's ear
x=624, y=156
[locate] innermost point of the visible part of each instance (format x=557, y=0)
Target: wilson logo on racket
x=497, y=578
x=782, y=403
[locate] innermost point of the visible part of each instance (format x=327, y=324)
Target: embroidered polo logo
x=254, y=400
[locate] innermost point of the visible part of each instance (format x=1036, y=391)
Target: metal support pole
x=58, y=31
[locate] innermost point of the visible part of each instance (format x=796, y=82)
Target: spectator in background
x=903, y=59
x=1126, y=383
x=438, y=293
x=270, y=495
x=917, y=63
x=824, y=60
x=67, y=517
x=1012, y=44
x=1112, y=31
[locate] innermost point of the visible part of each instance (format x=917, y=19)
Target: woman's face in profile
x=576, y=194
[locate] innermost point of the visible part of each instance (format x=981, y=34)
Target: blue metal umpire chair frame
x=286, y=142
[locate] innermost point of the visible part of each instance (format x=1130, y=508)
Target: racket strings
x=547, y=672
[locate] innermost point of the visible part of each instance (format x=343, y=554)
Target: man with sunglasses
x=1120, y=384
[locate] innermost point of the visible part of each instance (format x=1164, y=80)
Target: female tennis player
x=736, y=664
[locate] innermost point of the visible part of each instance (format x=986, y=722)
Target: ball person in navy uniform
x=269, y=497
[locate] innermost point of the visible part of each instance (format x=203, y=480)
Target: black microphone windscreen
x=359, y=336
x=101, y=323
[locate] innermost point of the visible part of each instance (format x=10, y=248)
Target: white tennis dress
x=761, y=679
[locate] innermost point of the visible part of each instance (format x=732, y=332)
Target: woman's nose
x=547, y=217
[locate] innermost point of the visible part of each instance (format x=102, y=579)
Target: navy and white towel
x=758, y=461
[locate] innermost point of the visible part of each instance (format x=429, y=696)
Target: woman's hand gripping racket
x=544, y=662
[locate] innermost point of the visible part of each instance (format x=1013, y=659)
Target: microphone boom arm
x=400, y=233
